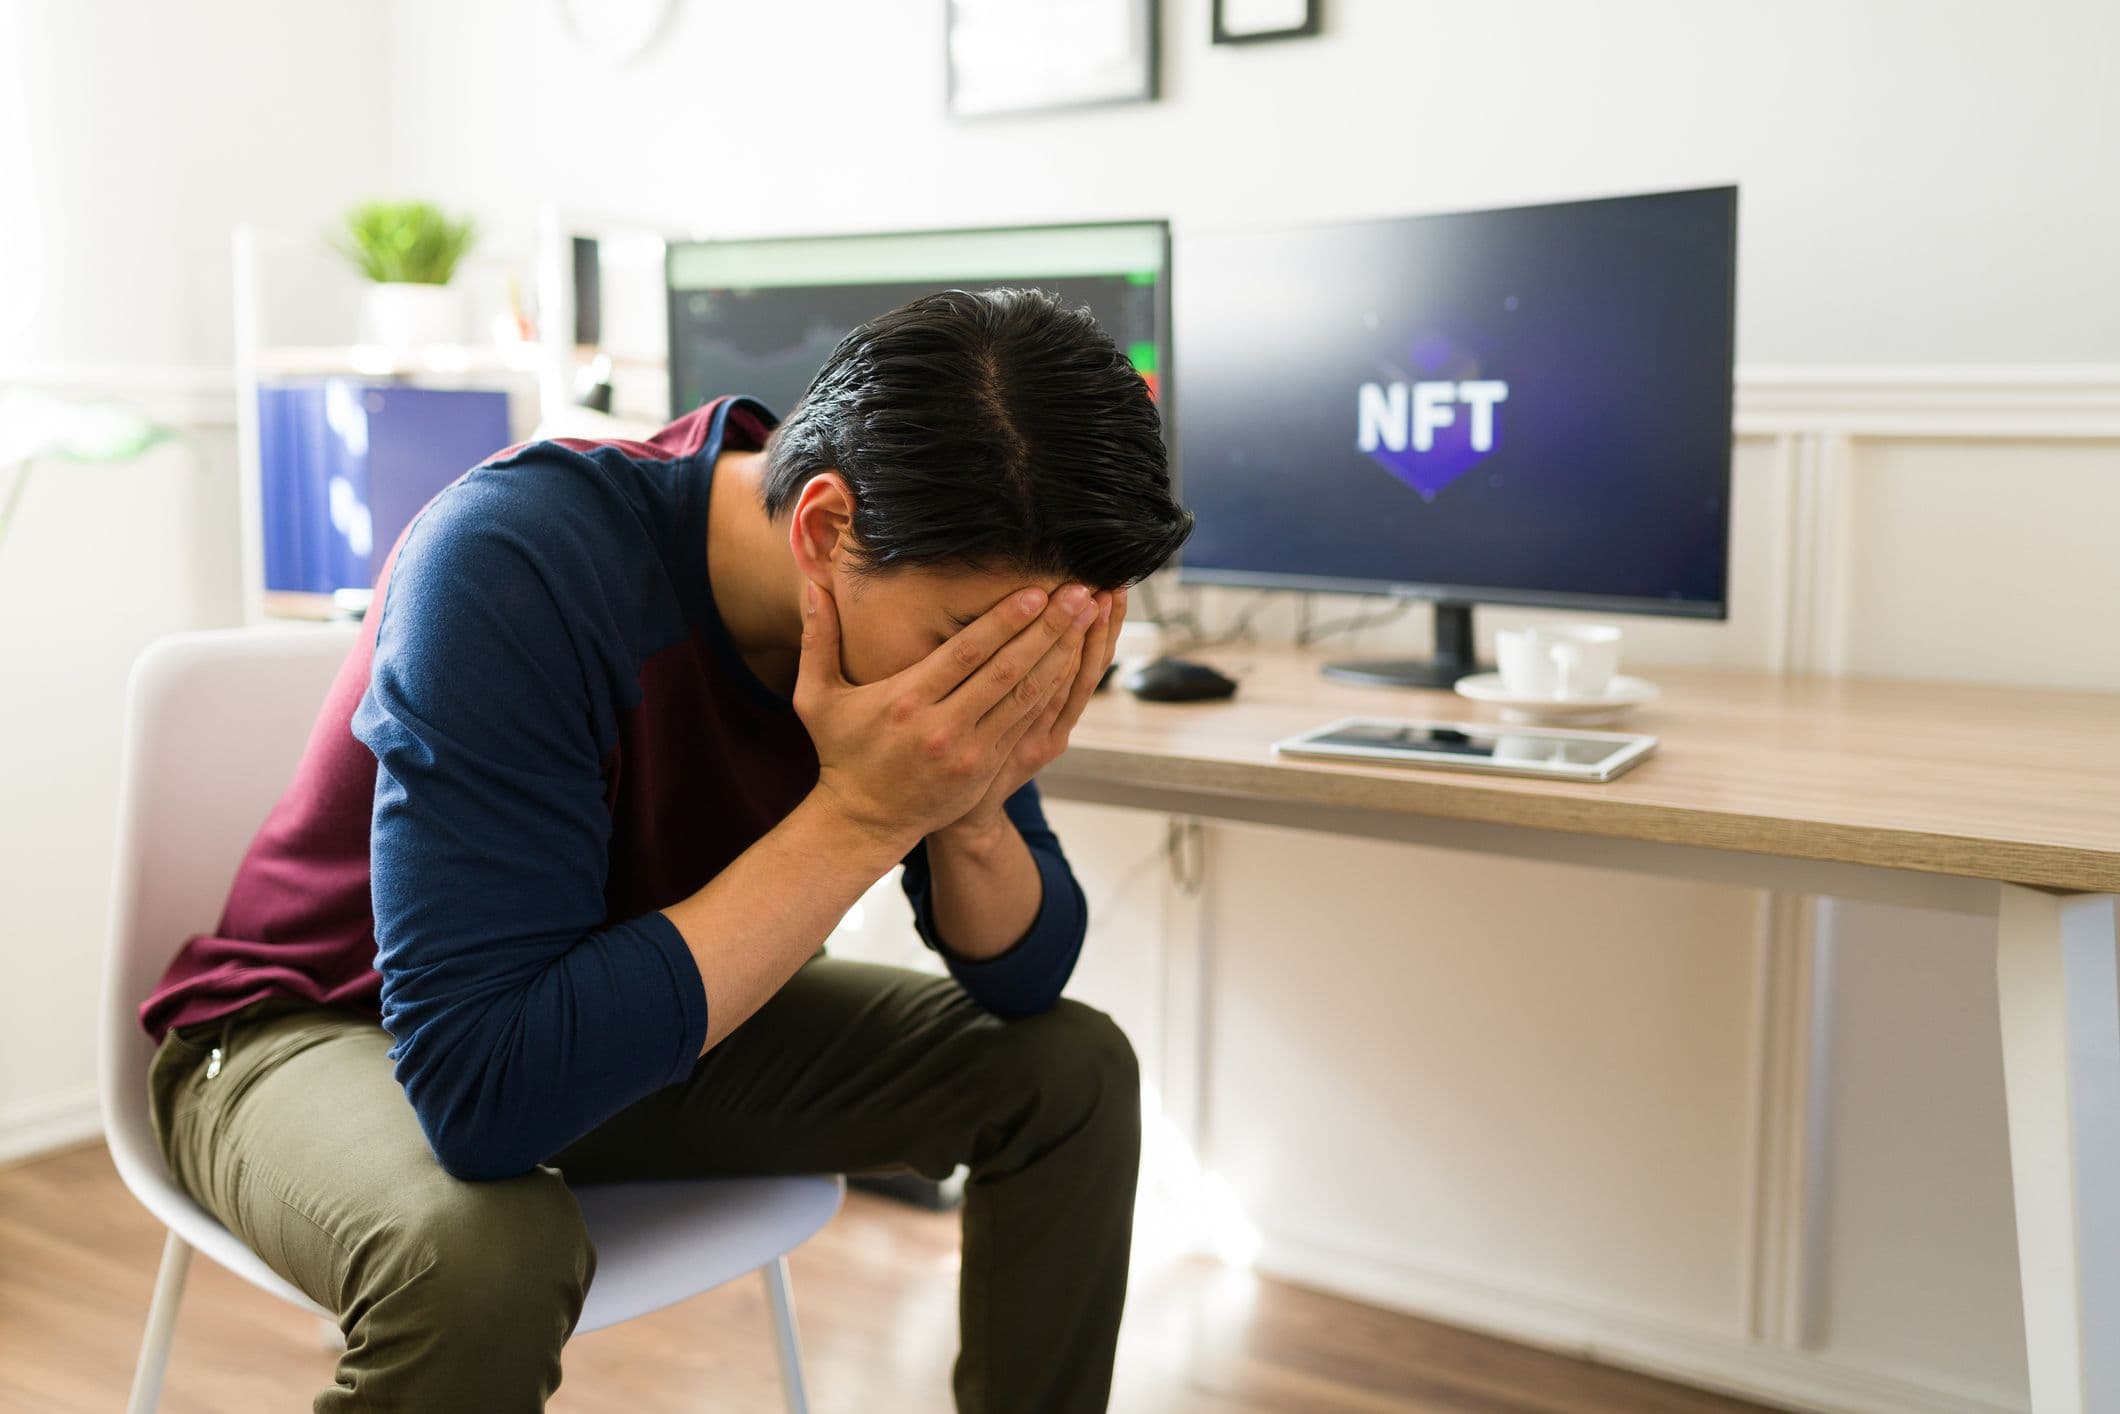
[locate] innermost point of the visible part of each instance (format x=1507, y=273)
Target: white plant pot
x=405, y=317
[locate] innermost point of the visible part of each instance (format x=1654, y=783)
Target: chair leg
x=161, y=1325
x=781, y=1302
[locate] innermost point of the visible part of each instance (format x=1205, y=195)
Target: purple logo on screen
x=1430, y=427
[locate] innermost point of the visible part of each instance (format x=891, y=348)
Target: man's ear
x=821, y=526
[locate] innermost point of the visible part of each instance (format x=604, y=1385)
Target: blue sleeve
x=1026, y=978
x=520, y=1021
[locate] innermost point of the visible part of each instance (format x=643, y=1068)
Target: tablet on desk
x=1572, y=753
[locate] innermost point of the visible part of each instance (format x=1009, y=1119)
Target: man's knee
x=1077, y=1064
x=1082, y=1039
x=511, y=1256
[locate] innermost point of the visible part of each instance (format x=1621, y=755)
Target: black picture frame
x=1310, y=25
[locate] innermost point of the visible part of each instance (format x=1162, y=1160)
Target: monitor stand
x=1454, y=657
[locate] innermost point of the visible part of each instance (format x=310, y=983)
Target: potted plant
x=410, y=250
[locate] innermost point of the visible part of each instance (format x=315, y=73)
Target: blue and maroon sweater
x=544, y=735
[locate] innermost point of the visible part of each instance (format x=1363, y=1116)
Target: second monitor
x=760, y=316
x=1526, y=406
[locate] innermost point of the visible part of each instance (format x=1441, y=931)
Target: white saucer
x=1620, y=694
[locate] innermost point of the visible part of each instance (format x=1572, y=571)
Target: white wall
x=1922, y=179
x=149, y=130
x=133, y=135
x=1917, y=1193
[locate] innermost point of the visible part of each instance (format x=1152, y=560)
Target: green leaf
x=404, y=242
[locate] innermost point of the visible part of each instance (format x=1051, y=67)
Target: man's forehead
x=971, y=594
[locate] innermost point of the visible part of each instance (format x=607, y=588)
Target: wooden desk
x=1847, y=787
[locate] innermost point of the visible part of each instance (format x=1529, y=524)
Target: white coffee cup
x=1561, y=662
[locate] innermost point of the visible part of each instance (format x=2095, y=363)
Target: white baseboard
x=1709, y=1359
x=47, y=1122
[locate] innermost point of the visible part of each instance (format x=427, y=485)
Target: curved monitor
x=1526, y=406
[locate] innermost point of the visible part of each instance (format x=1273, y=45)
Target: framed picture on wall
x=1243, y=21
x=1019, y=56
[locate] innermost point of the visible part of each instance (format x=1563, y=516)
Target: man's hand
x=919, y=750
x=1047, y=737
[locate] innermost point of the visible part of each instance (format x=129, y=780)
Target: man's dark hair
x=993, y=430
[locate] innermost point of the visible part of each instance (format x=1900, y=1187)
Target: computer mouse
x=1178, y=680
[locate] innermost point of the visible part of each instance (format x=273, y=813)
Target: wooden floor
x=875, y=1293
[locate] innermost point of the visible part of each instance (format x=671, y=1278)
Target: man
x=629, y=728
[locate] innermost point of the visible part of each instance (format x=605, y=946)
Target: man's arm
x=1004, y=910
x=992, y=892
x=520, y=1019
x=895, y=759
x=987, y=891
x=759, y=919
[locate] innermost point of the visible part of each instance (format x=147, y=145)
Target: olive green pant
x=458, y=1296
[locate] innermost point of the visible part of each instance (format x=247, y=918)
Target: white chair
x=214, y=725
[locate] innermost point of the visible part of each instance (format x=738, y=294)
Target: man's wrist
x=878, y=839
x=976, y=833
x=987, y=886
